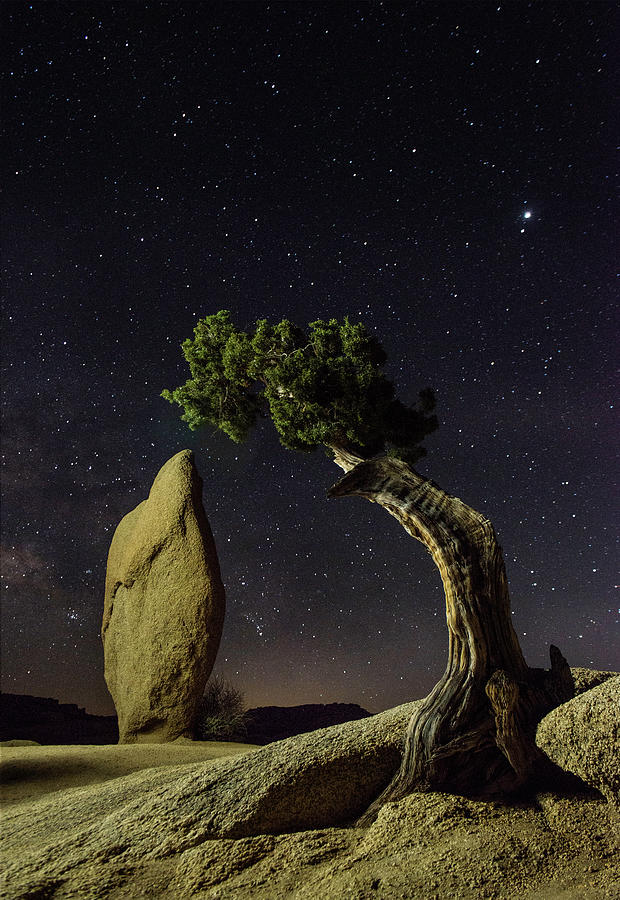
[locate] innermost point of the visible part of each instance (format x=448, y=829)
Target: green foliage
x=221, y=713
x=324, y=386
x=219, y=391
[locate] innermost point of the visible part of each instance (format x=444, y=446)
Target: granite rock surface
x=583, y=737
x=163, y=608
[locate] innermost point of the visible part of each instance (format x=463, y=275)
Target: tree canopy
x=323, y=385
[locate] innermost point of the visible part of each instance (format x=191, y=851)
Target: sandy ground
x=30, y=771
x=427, y=847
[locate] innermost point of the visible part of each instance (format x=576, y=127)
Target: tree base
x=493, y=758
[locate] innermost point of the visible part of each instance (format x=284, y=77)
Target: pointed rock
x=163, y=608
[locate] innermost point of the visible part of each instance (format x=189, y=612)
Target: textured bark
x=474, y=733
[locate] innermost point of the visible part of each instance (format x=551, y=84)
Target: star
x=248, y=215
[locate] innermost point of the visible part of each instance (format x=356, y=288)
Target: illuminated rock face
x=163, y=609
x=583, y=736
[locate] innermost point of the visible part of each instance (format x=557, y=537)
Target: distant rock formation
x=163, y=608
x=47, y=721
x=274, y=723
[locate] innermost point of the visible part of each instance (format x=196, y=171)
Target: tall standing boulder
x=163, y=609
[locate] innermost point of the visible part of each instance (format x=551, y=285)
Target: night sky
x=441, y=171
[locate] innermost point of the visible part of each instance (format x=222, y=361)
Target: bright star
x=527, y=214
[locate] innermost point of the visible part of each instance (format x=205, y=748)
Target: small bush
x=221, y=713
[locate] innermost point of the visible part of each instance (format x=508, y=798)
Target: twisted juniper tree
x=474, y=733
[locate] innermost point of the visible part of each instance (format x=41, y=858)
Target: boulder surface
x=163, y=609
x=583, y=737
x=269, y=823
x=585, y=679
x=321, y=778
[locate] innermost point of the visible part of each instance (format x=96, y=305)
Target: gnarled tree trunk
x=475, y=731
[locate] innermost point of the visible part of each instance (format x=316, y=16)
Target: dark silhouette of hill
x=273, y=723
x=47, y=721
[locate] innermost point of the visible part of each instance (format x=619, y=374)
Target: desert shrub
x=221, y=712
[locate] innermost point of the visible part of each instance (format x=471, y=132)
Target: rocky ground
x=261, y=824
x=30, y=771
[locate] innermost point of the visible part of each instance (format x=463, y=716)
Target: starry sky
x=441, y=171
